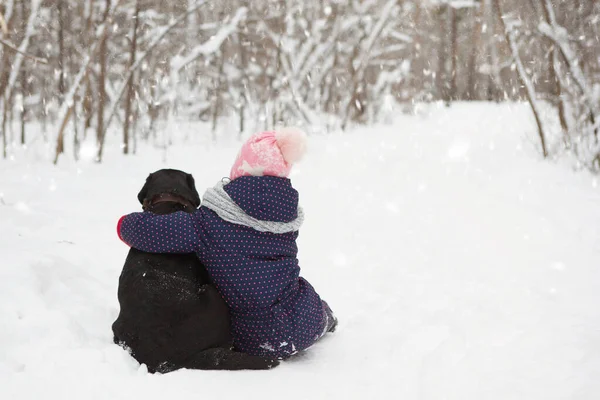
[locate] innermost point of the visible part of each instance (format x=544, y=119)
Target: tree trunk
x=245, y=82
x=60, y=146
x=61, y=49
x=419, y=62
x=218, y=101
x=523, y=77
x=60, y=143
x=23, y=81
x=440, y=77
x=553, y=70
x=454, y=35
x=76, y=145
x=332, y=99
x=88, y=102
x=3, y=127
x=494, y=79
x=558, y=91
x=354, y=101
x=130, y=88
x=153, y=111
x=136, y=118
x=101, y=86
x=23, y=115
x=476, y=37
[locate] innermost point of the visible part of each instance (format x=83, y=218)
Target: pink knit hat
x=270, y=153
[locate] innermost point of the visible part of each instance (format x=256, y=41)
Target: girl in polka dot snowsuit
x=245, y=234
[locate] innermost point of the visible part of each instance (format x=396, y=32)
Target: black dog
x=171, y=316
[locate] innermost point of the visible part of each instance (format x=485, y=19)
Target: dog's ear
x=144, y=192
x=192, y=186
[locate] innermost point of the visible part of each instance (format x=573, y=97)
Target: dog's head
x=169, y=182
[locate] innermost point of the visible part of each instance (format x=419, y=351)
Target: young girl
x=245, y=234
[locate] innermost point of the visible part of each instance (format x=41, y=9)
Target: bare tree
x=509, y=30
x=130, y=86
x=583, y=98
x=9, y=78
x=328, y=64
x=245, y=80
x=23, y=80
x=66, y=110
x=87, y=102
x=102, y=97
x=453, y=17
x=129, y=73
x=475, y=43
x=440, y=78
x=61, y=47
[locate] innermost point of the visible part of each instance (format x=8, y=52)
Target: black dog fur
x=171, y=317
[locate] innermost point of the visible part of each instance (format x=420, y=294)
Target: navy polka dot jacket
x=274, y=312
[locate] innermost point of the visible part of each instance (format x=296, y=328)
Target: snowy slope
x=461, y=266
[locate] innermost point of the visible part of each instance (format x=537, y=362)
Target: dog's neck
x=166, y=203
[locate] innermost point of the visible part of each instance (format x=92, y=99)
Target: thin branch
x=13, y=48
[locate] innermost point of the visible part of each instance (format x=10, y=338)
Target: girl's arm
x=178, y=232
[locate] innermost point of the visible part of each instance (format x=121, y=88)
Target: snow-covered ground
x=460, y=264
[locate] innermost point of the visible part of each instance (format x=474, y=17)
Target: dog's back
x=168, y=313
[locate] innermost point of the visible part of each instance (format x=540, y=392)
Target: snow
x=213, y=44
x=460, y=264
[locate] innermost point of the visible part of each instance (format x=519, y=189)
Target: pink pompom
x=292, y=143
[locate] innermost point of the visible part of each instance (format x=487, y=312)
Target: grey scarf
x=218, y=200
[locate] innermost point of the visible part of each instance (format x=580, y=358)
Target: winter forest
x=446, y=208
x=86, y=68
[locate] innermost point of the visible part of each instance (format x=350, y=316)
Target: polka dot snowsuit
x=274, y=312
